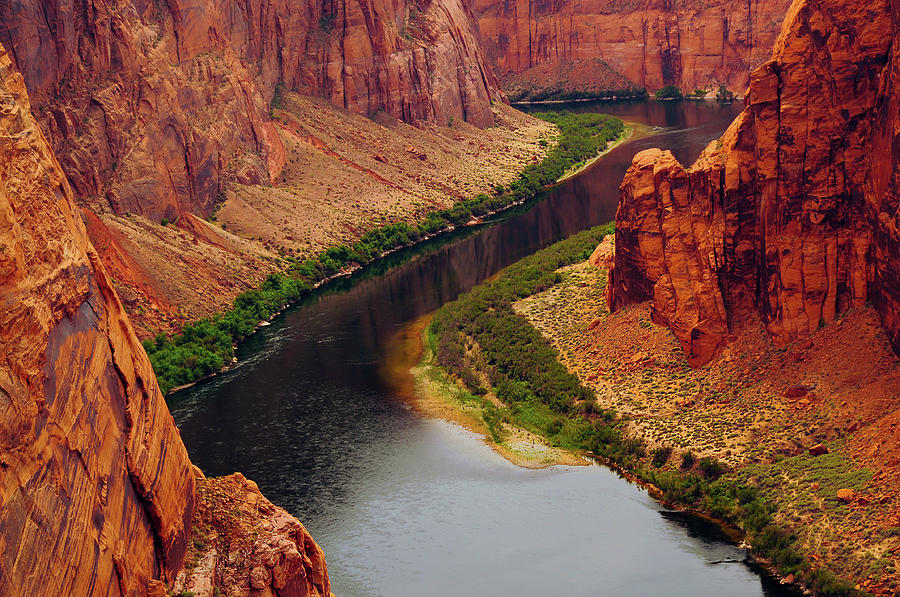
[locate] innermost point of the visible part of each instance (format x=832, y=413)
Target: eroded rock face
x=652, y=43
x=96, y=489
x=97, y=492
x=793, y=213
x=243, y=545
x=148, y=104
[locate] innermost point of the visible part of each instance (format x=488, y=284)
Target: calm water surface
x=406, y=506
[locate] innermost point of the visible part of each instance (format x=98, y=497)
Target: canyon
x=202, y=114
x=550, y=49
x=98, y=493
x=150, y=106
x=159, y=158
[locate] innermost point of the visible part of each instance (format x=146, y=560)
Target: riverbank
x=805, y=426
x=432, y=393
x=581, y=167
x=761, y=441
x=208, y=345
x=335, y=175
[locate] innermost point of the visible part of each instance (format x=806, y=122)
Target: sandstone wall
x=652, y=43
x=793, y=213
x=151, y=105
x=96, y=489
x=97, y=492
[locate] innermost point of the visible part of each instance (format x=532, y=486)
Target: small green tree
x=669, y=92
x=723, y=95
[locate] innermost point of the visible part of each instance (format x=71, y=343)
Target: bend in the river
x=406, y=506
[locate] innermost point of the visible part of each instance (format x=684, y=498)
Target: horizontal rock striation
x=97, y=493
x=151, y=106
x=793, y=213
x=651, y=43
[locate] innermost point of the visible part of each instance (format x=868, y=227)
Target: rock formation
x=793, y=213
x=651, y=43
x=243, y=545
x=96, y=488
x=150, y=106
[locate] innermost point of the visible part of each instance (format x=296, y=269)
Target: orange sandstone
x=97, y=494
x=793, y=213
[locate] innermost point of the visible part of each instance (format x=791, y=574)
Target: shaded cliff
x=152, y=106
x=648, y=43
x=97, y=492
x=793, y=213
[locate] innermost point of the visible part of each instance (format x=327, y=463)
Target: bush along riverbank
x=499, y=357
x=207, y=346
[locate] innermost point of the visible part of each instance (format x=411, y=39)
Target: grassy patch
x=536, y=391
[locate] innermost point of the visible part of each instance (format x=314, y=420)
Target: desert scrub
x=537, y=393
x=207, y=345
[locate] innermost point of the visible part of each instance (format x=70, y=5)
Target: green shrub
x=710, y=467
x=207, y=345
x=668, y=92
x=687, y=460
x=661, y=456
x=723, y=95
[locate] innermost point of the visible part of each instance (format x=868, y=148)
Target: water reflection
x=404, y=506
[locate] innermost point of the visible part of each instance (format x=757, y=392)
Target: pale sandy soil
x=344, y=175
x=738, y=409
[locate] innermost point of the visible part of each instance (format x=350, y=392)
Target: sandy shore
x=414, y=378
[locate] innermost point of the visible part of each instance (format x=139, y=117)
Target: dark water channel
x=407, y=506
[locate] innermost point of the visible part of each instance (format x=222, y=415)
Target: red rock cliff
x=793, y=213
x=150, y=105
x=652, y=43
x=97, y=492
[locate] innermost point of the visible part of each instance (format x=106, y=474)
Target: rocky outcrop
x=793, y=213
x=243, y=545
x=651, y=43
x=97, y=492
x=151, y=106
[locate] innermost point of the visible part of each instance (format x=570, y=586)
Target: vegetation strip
x=497, y=354
x=207, y=346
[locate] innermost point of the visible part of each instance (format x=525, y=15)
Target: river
x=404, y=506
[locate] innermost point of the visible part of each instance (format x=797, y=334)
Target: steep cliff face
x=97, y=492
x=793, y=213
x=651, y=43
x=152, y=106
x=243, y=545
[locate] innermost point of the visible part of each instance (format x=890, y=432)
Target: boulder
x=818, y=450
x=846, y=495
